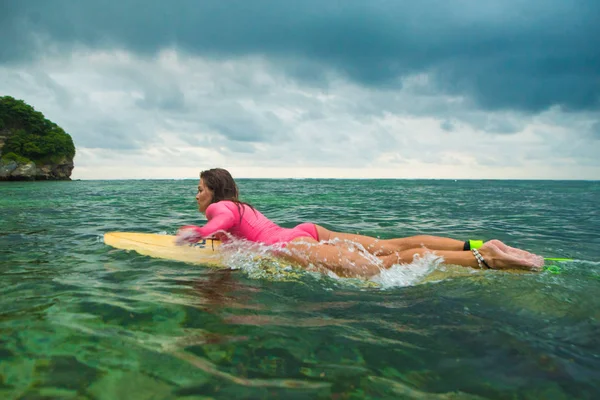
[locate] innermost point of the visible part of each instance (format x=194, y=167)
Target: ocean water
x=79, y=319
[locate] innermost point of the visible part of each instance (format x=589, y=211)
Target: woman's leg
x=498, y=256
x=339, y=259
x=346, y=262
x=495, y=253
x=381, y=247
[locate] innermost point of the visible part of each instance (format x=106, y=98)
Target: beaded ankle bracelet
x=480, y=261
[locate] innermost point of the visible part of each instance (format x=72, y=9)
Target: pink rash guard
x=253, y=226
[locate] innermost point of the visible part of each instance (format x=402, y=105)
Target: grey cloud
x=57, y=91
x=310, y=73
x=448, y=126
x=247, y=111
x=596, y=130
x=504, y=54
x=241, y=147
x=108, y=134
x=419, y=101
x=158, y=90
x=499, y=124
x=166, y=99
x=238, y=125
x=239, y=130
x=44, y=84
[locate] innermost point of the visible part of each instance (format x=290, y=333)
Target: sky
x=442, y=89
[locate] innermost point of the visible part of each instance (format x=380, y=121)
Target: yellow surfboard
x=208, y=254
x=163, y=246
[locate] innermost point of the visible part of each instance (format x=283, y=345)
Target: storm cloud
x=503, y=55
x=435, y=89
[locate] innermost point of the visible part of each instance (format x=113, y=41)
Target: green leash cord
x=555, y=269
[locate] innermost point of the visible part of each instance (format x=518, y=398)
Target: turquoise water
x=81, y=320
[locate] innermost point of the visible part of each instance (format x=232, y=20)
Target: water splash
x=400, y=275
x=259, y=261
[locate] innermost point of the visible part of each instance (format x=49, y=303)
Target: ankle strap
x=480, y=261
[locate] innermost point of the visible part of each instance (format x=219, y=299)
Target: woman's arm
x=220, y=218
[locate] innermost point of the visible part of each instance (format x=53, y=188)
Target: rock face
x=12, y=171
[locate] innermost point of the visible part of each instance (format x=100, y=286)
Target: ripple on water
x=81, y=320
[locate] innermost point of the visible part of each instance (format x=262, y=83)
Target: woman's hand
x=188, y=234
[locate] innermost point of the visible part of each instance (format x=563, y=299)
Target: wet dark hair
x=221, y=183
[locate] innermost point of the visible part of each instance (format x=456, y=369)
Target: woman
x=311, y=244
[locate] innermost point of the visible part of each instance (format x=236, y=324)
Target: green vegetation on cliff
x=30, y=136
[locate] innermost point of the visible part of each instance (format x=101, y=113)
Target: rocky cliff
x=32, y=147
x=11, y=170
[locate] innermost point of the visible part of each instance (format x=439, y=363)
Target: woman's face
x=204, y=196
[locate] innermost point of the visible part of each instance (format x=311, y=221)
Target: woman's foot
x=500, y=256
x=511, y=250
